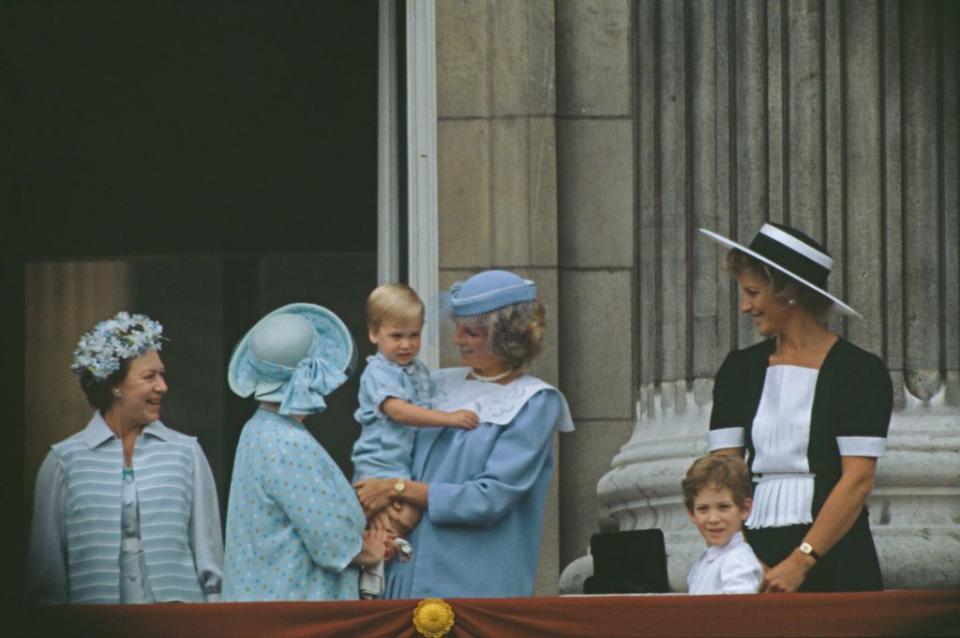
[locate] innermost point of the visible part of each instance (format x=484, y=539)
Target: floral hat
x=125, y=336
x=294, y=356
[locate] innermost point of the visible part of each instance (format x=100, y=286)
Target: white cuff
x=873, y=446
x=725, y=438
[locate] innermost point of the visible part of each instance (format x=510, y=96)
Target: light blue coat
x=480, y=535
x=293, y=523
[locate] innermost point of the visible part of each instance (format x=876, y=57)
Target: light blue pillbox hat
x=294, y=356
x=488, y=291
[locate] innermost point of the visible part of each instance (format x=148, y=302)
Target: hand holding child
x=374, y=494
x=376, y=544
x=399, y=519
x=403, y=519
x=466, y=419
x=381, y=521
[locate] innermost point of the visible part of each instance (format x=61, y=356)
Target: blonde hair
x=515, y=332
x=719, y=471
x=393, y=304
x=784, y=286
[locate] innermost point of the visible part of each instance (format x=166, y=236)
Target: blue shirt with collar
x=385, y=447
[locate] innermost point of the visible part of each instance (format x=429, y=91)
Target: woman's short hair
x=784, y=286
x=515, y=332
x=717, y=471
x=99, y=392
x=393, y=304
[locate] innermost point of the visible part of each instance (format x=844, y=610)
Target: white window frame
x=421, y=159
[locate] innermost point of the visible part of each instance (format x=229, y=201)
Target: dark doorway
x=201, y=162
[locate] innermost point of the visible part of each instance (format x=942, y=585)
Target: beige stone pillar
x=596, y=200
x=496, y=145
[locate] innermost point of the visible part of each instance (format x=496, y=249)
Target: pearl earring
x=116, y=393
x=792, y=302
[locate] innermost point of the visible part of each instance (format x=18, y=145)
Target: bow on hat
x=302, y=388
x=293, y=356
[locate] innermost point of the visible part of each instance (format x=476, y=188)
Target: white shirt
x=726, y=569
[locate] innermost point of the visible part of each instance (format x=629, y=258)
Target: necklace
x=494, y=378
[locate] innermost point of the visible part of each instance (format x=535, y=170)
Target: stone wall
x=496, y=146
x=596, y=197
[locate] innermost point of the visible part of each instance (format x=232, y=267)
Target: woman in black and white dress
x=812, y=411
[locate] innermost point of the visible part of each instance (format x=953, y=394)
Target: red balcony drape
x=891, y=613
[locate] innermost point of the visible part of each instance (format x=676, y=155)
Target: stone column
x=839, y=119
x=596, y=211
x=497, y=170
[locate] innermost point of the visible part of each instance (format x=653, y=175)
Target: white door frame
x=421, y=160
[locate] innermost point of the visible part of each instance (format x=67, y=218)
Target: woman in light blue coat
x=482, y=492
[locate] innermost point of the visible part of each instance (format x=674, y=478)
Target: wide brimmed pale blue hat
x=488, y=291
x=295, y=355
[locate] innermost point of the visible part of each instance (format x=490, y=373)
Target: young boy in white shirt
x=716, y=492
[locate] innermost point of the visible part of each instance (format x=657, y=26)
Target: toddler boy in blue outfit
x=395, y=393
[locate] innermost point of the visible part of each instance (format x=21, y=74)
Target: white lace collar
x=493, y=402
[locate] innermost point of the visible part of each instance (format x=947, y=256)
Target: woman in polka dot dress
x=295, y=530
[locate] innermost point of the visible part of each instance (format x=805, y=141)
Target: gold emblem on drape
x=433, y=617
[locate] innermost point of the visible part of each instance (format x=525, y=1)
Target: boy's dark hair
x=719, y=471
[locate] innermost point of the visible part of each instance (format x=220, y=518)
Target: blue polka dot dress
x=293, y=521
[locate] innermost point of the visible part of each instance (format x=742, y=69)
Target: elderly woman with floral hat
x=126, y=509
x=295, y=530
x=482, y=492
x=812, y=410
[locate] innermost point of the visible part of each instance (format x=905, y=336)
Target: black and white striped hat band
x=797, y=256
x=793, y=255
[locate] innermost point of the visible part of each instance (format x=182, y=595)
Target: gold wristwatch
x=399, y=487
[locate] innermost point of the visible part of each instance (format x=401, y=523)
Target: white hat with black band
x=792, y=253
